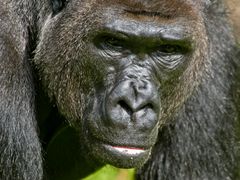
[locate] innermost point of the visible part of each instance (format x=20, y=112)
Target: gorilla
x=145, y=84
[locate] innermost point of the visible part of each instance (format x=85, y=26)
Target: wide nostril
x=133, y=103
x=130, y=110
x=147, y=106
x=126, y=107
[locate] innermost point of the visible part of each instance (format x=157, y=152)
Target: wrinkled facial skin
x=119, y=70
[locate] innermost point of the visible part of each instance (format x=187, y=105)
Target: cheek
x=179, y=88
x=70, y=79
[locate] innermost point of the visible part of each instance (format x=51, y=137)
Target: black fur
x=198, y=141
x=201, y=143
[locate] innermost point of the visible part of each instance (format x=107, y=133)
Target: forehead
x=163, y=7
x=157, y=3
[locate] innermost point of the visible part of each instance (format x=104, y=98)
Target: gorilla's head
x=119, y=70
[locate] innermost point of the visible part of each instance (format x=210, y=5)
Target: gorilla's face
x=118, y=71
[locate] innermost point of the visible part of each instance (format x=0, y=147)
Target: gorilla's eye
x=110, y=42
x=171, y=54
x=170, y=49
x=58, y=5
x=113, y=43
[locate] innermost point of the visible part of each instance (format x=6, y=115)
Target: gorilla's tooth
x=129, y=150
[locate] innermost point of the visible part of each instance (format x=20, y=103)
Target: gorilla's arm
x=20, y=151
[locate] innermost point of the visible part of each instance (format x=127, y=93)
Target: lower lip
x=126, y=150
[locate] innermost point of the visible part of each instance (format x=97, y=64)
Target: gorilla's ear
x=58, y=5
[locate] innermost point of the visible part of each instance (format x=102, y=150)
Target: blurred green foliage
x=111, y=173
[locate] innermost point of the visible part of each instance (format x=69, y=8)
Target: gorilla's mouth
x=117, y=154
x=122, y=156
x=126, y=150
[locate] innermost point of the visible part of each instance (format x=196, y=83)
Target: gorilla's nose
x=133, y=103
